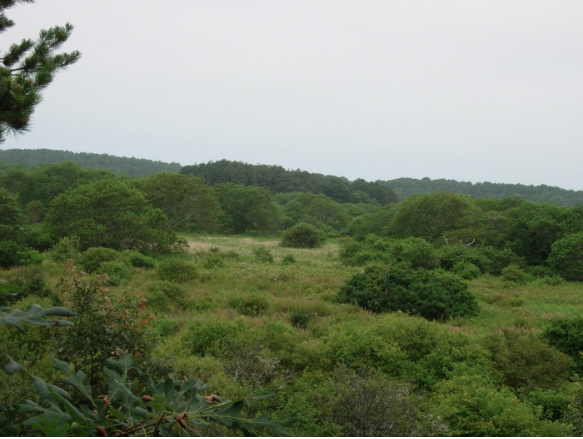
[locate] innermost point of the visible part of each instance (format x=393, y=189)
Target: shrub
x=231, y=254
x=38, y=238
x=163, y=293
x=302, y=235
x=549, y=280
x=349, y=248
x=66, y=248
x=8, y=254
x=365, y=403
x=250, y=305
x=410, y=348
x=487, y=259
x=117, y=271
x=29, y=257
x=213, y=262
x=474, y=406
x=432, y=294
x=288, y=259
x=106, y=323
x=466, y=270
x=415, y=251
x=139, y=260
x=554, y=403
x=211, y=336
x=92, y=258
x=300, y=319
x=177, y=270
x=566, y=335
x=30, y=281
x=526, y=362
x=513, y=273
x=262, y=254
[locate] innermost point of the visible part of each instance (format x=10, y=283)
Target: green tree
x=26, y=69
x=11, y=229
x=317, y=209
x=566, y=257
x=533, y=229
x=109, y=213
x=246, y=208
x=374, y=222
x=49, y=181
x=11, y=217
x=429, y=216
x=185, y=200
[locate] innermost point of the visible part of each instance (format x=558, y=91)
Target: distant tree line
x=280, y=180
x=126, y=165
x=405, y=187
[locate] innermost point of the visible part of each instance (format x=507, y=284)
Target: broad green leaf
x=51, y=412
x=50, y=427
x=8, y=290
x=262, y=395
x=121, y=366
x=75, y=414
x=34, y=315
x=74, y=380
x=11, y=367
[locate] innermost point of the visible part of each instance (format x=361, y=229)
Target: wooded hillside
x=405, y=187
x=126, y=165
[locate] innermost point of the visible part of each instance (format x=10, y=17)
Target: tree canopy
x=26, y=68
x=109, y=213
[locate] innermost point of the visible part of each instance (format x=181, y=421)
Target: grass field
x=311, y=283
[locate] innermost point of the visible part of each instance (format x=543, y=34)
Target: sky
x=377, y=89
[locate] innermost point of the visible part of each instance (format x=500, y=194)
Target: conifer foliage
x=26, y=68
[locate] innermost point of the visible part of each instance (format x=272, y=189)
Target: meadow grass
x=242, y=285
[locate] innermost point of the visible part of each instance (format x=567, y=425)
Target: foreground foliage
x=166, y=407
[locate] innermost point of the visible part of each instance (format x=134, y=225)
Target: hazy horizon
x=466, y=91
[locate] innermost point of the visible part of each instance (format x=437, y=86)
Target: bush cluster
x=433, y=294
x=177, y=270
x=302, y=235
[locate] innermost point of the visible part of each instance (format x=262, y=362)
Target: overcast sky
x=467, y=90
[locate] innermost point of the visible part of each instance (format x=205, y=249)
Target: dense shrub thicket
x=177, y=270
x=302, y=235
x=432, y=294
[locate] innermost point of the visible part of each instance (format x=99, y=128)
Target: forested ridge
x=280, y=180
x=135, y=167
x=405, y=187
